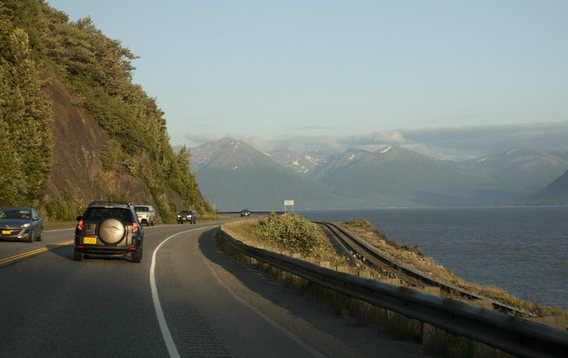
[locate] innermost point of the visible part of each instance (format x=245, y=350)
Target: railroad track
x=374, y=258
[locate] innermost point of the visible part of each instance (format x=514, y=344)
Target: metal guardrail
x=509, y=334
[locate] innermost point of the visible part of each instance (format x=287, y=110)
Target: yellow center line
x=34, y=252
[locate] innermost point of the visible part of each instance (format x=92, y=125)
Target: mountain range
x=234, y=175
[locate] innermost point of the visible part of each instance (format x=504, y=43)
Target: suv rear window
x=100, y=214
x=141, y=208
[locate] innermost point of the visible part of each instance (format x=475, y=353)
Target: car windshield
x=100, y=214
x=141, y=208
x=15, y=214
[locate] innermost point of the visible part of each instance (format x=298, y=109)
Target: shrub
x=65, y=208
x=111, y=155
x=366, y=224
x=294, y=232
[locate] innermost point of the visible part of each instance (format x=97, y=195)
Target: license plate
x=6, y=232
x=89, y=240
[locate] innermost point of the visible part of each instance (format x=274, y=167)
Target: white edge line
x=170, y=344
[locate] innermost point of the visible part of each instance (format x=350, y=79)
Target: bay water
x=523, y=250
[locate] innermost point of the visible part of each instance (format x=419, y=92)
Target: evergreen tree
x=26, y=114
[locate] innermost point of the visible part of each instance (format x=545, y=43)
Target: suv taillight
x=134, y=226
x=80, y=225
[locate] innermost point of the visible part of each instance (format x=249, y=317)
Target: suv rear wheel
x=137, y=256
x=78, y=256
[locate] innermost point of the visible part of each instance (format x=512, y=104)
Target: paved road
x=185, y=299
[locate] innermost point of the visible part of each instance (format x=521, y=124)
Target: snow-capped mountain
x=233, y=175
x=300, y=162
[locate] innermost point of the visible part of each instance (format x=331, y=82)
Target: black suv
x=187, y=216
x=110, y=228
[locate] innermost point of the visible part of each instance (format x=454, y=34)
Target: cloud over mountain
x=450, y=143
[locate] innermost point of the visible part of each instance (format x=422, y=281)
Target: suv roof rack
x=110, y=203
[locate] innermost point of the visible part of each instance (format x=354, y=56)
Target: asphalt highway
x=185, y=299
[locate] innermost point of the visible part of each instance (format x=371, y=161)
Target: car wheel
x=78, y=256
x=112, y=231
x=137, y=256
x=31, y=237
x=38, y=238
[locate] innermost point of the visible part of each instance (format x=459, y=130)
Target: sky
x=451, y=79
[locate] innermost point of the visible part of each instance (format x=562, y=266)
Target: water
x=523, y=250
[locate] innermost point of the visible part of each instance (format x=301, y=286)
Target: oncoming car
x=20, y=224
x=109, y=228
x=245, y=212
x=186, y=216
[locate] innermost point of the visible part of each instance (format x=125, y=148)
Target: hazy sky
x=360, y=73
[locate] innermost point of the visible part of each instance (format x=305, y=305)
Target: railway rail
x=374, y=258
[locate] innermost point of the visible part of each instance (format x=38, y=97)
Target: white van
x=146, y=214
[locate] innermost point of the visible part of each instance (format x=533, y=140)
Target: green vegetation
x=36, y=42
x=289, y=232
x=25, y=117
x=293, y=232
x=65, y=208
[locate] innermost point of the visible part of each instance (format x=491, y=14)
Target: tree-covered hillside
x=25, y=117
x=38, y=43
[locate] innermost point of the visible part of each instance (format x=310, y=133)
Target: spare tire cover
x=111, y=231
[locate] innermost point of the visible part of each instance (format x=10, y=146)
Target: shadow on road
x=288, y=302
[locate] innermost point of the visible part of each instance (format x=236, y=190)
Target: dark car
x=109, y=228
x=186, y=216
x=245, y=212
x=21, y=224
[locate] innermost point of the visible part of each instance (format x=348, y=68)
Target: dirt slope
x=78, y=144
